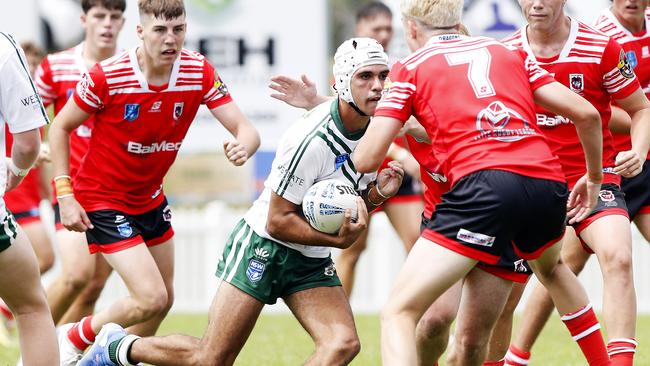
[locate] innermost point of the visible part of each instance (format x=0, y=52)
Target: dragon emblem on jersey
x=492, y=121
x=131, y=112
x=624, y=66
x=220, y=85
x=178, y=110
x=577, y=83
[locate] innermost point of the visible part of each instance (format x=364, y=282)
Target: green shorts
x=267, y=270
x=9, y=231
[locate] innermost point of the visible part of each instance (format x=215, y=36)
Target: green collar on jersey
x=336, y=116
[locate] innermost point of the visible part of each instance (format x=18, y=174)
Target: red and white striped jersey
x=593, y=65
x=637, y=49
x=56, y=78
x=139, y=128
x=474, y=96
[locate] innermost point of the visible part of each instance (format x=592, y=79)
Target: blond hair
x=433, y=13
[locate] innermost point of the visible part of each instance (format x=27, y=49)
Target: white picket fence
x=201, y=234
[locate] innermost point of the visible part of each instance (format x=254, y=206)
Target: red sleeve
x=397, y=98
x=91, y=91
x=215, y=90
x=44, y=82
x=537, y=77
x=618, y=76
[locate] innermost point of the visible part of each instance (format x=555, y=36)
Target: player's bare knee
x=617, y=261
x=151, y=304
x=468, y=345
x=434, y=325
x=343, y=347
x=45, y=262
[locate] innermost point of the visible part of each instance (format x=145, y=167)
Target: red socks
x=585, y=329
x=621, y=351
x=516, y=357
x=81, y=334
x=494, y=363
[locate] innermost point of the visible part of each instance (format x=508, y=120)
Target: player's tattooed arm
x=246, y=138
x=286, y=222
x=298, y=93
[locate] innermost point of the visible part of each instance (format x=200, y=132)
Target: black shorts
x=29, y=216
x=611, y=201
x=510, y=267
x=115, y=230
x=637, y=192
x=57, y=217
x=490, y=210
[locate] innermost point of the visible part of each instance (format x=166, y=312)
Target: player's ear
x=139, y=29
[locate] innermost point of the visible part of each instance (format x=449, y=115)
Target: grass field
x=278, y=340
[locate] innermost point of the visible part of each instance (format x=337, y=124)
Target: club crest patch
x=131, y=112
x=125, y=229
x=178, y=110
x=220, y=85
x=577, y=83
x=624, y=66
x=338, y=162
x=255, y=270
x=606, y=196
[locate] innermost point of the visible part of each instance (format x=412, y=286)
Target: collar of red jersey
x=445, y=38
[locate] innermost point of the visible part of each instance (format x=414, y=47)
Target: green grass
x=279, y=340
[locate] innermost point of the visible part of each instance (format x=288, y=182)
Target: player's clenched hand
x=12, y=180
x=390, y=179
x=628, y=164
x=351, y=230
x=73, y=216
x=582, y=200
x=235, y=152
x=298, y=93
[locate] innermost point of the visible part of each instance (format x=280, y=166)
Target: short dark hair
x=164, y=9
x=373, y=9
x=108, y=4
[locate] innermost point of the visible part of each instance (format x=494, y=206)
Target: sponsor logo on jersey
x=155, y=107
x=632, y=59
x=31, y=101
x=131, y=112
x=255, y=270
x=125, y=229
x=119, y=219
x=220, y=85
x=475, y=238
x=552, y=121
x=178, y=110
x=293, y=179
x=577, y=83
x=440, y=178
x=84, y=131
x=330, y=270
x=492, y=121
x=624, y=66
x=340, y=160
x=262, y=253
x=163, y=146
x=157, y=192
x=167, y=214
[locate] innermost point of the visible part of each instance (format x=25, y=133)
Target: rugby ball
x=325, y=203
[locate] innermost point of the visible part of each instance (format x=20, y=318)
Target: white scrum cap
x=352, y=55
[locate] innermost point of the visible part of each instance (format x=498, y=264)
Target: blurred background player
x=293, y=260
x=593, y=65
x=143, y=101
x=24, y=200
x=73, y=292
x=20, y=287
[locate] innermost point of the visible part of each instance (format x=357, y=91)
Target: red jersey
x=474, y=97
x=435, y=183
x=593, y=65
x=637, y=50
x=56, y=78
x=139, y=128
x=26, y=196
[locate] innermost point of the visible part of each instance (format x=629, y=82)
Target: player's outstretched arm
x=630, y=163
x=298, y=93
x=247, y=139
x=374, y=144
x=285, y=222
x=23, y=154
x=557, y=98
x=73, y=216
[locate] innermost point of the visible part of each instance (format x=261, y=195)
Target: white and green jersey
x=316, y=148
x=21, y=109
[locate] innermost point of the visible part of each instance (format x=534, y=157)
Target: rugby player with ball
x=273, y=252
